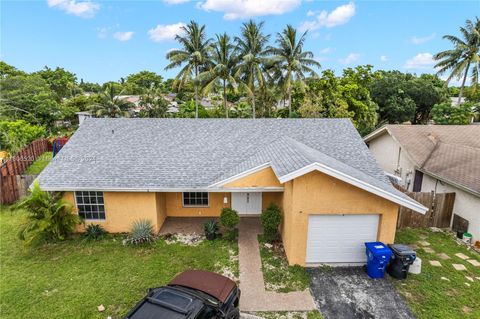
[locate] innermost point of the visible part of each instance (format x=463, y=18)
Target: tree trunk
x=196, y=92
x=463, y=84
x=289, y=102
x=225, y=99
x=253, y=105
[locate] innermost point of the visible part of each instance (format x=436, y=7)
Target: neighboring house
x=333, y=194
x=439, y=158
x=454, y=100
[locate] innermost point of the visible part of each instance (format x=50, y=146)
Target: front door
x=247, y=203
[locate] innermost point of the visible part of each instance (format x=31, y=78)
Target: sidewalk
x=254, y=297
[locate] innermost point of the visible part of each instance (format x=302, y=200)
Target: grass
x=70, y=279
x=290, y=315
x=278, y=275
x=427, y=294
x=38, y=166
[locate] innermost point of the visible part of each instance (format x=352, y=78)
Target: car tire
x=234, y=314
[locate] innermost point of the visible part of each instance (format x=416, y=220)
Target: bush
x=211, y=228
x=229, y=219
x=14, y=135
x=141, y=232
x=94, y=232
x=271, y=218
x=50, y=218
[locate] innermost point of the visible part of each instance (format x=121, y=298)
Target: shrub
x=141, y=232
x=17, y=134
x=94, y=232
x=50, y=218
x=211, y=228
x=229, y=219
x=271, y=218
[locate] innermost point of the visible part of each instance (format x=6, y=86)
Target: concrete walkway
x=254, y=297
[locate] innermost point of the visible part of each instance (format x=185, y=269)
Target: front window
x=195, y=199
x=90, y=205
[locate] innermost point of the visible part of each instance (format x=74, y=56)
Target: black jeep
x=194, y=294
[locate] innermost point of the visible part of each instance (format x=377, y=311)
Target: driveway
x=347, y=292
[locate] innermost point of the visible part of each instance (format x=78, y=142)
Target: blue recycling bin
x=378, y=255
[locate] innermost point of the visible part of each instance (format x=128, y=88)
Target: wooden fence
x=439, y=214
x=10, y=171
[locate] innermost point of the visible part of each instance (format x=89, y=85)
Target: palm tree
x=192, y=56
x=251, y=45
x=223, y=62
x=111, y=105
x=290, y=62
x=153, y=103
x=464, y=54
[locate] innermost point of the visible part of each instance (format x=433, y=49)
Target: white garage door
x=340, y=238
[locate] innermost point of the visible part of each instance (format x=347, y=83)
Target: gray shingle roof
x=191, y=154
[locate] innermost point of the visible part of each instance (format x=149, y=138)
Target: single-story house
x=438, y=158
x=333, y=194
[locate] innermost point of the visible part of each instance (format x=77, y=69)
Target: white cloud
x=326, y=51
x=352, y=57
x=420, y=61
x=123, y=36
x=175, y=1
x=338, y=16
x=241, y=9
x=84, y=9
x=165, y=32
x=383, y=58
x=311, y=13
x=420, y=40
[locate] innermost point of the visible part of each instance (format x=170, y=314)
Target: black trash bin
x=403, y=257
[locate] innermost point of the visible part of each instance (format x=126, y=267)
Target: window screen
x=195, y=199
x=90, y=205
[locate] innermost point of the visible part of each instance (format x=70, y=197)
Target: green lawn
x=38, y=166
x=278, y=275
x=427, y=294
x=70, y=279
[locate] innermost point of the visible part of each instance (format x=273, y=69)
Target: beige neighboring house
x=439, y=158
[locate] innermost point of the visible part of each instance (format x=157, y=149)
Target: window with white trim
x=90, y=205
x=195, y=199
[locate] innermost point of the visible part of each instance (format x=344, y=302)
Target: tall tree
x=290, y=61
x=252, y=46
x=110, y=105
x=223, y=62
x=193, y=56
x=464, y=55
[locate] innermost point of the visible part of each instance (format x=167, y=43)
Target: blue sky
x=106, y=40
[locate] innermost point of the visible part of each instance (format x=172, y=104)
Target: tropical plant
x=94, y=232
x=14, y=135
x=290, y=62
x=211, y=229
x=223, y=61
x=271, y=218
x=141, y=232
x=465, y=54
x=229, y=219
x=193, y=56
x=448, y=114
x=111, y=105
x=253, y=55
x=153, y=103
x=50, y=218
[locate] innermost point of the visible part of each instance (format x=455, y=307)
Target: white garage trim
x=339, y=239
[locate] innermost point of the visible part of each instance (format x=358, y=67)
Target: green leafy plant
x=211, y=229
x=141, y=232
x=94, y=232
x=229, y=219
x=271, y=218
x=50, y=218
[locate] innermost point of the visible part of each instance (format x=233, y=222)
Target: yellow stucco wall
x=263, y=178
x=317, y=193
x=272, y=197
x=174, y=205
x=123, y=208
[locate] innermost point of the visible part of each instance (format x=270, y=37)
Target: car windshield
x=209, y=299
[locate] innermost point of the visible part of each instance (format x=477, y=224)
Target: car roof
x=208, y=282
